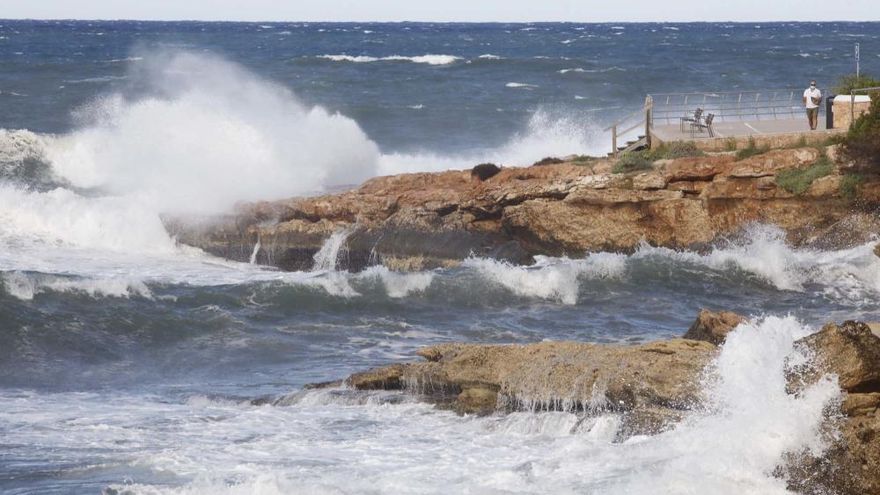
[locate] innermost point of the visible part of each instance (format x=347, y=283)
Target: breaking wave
x=732, y=444
x=429, y=59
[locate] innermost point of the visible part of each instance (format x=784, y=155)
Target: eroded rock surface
x=713, y=327
x=654, y=385
x=425, y=220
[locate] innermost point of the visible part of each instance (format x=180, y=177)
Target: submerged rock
x=652, y=386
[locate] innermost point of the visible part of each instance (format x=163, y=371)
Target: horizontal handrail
x=633, y=115
x=640, y=123
x=729, y=105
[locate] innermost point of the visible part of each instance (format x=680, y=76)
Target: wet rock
x=713, y=327
x=651, y=383
x=387, y=378
x=429, y=220
x=849, y=350
x=479, y=399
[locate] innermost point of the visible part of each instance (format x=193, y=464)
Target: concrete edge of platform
x=732, y=143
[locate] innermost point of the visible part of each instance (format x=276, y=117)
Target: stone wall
x=845, y=110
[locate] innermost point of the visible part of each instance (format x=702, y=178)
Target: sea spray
x=548, y=132
x=207, y=133
x=327, y=258
x=732, y=445
x=555, y=279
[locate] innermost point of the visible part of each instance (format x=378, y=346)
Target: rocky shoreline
x=428, y=220
x=652, y=386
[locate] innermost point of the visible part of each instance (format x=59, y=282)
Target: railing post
x=614, y=140
x=649, y=119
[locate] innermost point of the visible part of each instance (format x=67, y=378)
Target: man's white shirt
x=811, y=93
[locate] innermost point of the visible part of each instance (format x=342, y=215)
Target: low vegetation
x=642, y=160
x=550, y=160
x=852, y=81
x=849, y=186
x=798, y=180
x=751, y=149
x=485, y=171
x=632, y=162
x=861, y=146
x=678, y=149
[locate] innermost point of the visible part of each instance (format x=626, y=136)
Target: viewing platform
x=766, y=118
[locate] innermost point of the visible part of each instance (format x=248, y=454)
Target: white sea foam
x=430, y=59
x=851, y=274
x=25, y=286
x=516, y=85
x=555, y=279
x=337, y=441
x=216, y=134
x=548, y=133
x=398, y=284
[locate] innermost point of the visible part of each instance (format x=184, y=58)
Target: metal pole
x=614, y=140
x=858, y=71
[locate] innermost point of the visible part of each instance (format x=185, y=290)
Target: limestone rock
x=386, y=378
x=713, y=327
x=429, y=220
x=767, y=164
x=700, y=168
x=651, y=383
x=851, y=351
x=648, y=181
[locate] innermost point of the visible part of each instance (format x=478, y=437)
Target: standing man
x=812, y=99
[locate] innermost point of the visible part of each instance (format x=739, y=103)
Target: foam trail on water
x=555, y=279
x=398, y=284
x=730, y=445
x=852, y=274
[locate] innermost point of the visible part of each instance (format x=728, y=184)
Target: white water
x=327, y=257
x=429, y=59
x=207, y=446
x=205, y=135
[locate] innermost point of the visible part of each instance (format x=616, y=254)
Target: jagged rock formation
x=713, y=327
x=424, y=220
x=653, y=385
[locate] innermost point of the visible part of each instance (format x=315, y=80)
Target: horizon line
x=122, y=19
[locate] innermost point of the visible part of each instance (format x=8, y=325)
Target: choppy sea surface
x=130, y=364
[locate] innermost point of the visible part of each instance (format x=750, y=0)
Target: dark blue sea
x=132, y=364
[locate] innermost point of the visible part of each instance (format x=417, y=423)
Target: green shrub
x=798, y=180
x=849, y=185
x=730, y=144
x=848, y=83
x=550, y=160
x=632, y=162
x=862, y=142
x=750, y=150
x=676, y=149
x=584, y=159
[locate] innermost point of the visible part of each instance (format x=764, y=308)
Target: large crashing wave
x=195, y=134
x=731, y=445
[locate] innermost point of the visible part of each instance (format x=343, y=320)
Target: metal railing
x=638, y=120
x=732, y=106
